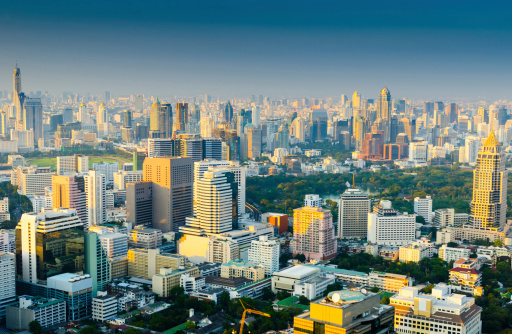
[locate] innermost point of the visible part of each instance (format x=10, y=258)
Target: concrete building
x=278, y=220
x=416, y=251
x=388, y=282
x=386, y=226
x=160, y=147
x=147, y=262
x=104, y=307
x=95, y=190
x=7, y=281
x=221, y=250
x=315, y=287
x=313, y=200
x=143, y=237
x=440, y=311
x=423, y=208
x=265, y=252
x=139, y=203
x=453, y=253
x=108, y=169
x=169, y=278
x=346, y=311
x=354, y=206
x=240, y=268
x=467, y=278
x=76, y=291
x=31, y=180
x=72, y=164
x=287, y=279
x=191, y=283
x=444, y=217
x=7, y=241
x=54, y=234
x=96, y=262
x=122, y=178
x=172, y=187
x=68, y=191
x=47, y=311
x=313, y=233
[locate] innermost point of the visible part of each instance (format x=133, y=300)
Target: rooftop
x=298, y=272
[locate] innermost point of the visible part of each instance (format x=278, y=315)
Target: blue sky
x=420, y=49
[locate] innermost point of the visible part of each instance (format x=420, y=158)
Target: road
x=254, y=211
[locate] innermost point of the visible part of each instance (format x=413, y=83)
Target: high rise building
x=31, y=180
x=172, y=183
x=49, y=243
x=356, y=100
x=95, y=190
x=96, y=263
x=217, y=204
x=313, y=200
x=139, y=203
x=108, y=169
x=386, y=226
x=181, y=116
x=384, y=112
x=72, y=164
x=227, y=114
x=7, y=281
x=313, y=233
x=76, y=291
x=33, y=117
x=265, y=252
x=122, y=178
x=212, y=148
x=423, y=208
x=489, y=203
x=68, y=191
x=17, y=96
x=83, y=115
x=161, y=120
x=253, y=142
x=160, y=147
x=127, y=118
x=354, y=206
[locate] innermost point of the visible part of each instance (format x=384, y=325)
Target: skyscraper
x=161, y=120
x=49, y=243
x=17, y=96
x=217, y=204
x=83, y=115
x=384, y=112
x=181, y=116
x=356, y=100
x=354, y=206
x=489, y=203
x=68, y=191
x=33, y=117
x=95, y=189
x=227, y=115
x=172, y=182
x=313, y=233
x=127, y=118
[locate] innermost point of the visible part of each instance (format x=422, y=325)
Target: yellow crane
x=249, y=310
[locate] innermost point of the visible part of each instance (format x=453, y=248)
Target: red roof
x=472, y=271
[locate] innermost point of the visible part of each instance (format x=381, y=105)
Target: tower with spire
x=17, y=96
x=489, y=203
x=384, y=109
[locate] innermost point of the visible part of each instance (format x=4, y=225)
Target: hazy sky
x=316, y=48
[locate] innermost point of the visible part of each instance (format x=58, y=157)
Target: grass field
x=52, y=162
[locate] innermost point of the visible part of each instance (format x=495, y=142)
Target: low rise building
x=453, y=253
x=75, y=290
x=346, y=311
x=388, y=282
x=439, y=312
x=287, y=279
x=47, y=311
x=145, y=237
x=315, y=287
x=104, y=307
x=416, y=251
x=169, y=278
x=147, y=262
x=191, y=283
x=241, y=268
x=467, y=278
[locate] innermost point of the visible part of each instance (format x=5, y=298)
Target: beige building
x=388, y=282
x=118, y=267
x=241, y=268
x=31, y=180
x=416, y=251
x=147, y=262
x=439, y=312
x=168, y=278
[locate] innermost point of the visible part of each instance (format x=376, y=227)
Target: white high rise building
x=83, y=115
x=206, y=127
x=418, y=152
x=107, y=169
x=386, y=226
x=256, y=118
x=471, y=148
x=7, y=281
x=423, y=207
x=7, y=241
x=160, y=147
x=313, y=200
x=124, y=177
x=239, y=173
x=215, y=203
x=265, y=252
x=72, y=164
x=354, y=206
x=95, y=189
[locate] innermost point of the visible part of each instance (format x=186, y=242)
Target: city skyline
x=421, y=51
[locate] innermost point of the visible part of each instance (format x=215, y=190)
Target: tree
x=385, y=300
x=374, y=289
x=283, y=295
x=300, y=257
x=268, y=294
x=89, y=330
x=303, y=300
x=190, y=325
x=452, y=244
x=175, y=292
x=35, y=327
x=420, y=219
x=132, y=331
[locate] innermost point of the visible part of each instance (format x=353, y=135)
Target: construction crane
x=249, y=310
